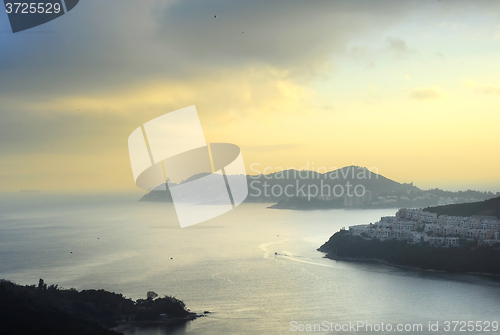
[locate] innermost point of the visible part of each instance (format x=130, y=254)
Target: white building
x=452, y=241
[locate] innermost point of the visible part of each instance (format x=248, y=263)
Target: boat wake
x=264, y=246
x=288, y=255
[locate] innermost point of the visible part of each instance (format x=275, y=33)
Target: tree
x=42, y=285
x=151, y=295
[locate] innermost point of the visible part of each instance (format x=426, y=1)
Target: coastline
x=328, y=209
x=400, y=266
x=169, y=324
x=395, y=253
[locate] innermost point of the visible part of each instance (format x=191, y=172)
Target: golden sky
x=410, y=88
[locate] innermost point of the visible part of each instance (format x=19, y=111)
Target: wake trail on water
x=264, y=247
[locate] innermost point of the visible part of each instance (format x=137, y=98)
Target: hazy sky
x=409, y=87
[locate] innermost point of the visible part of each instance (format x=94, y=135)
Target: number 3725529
x=32, y=8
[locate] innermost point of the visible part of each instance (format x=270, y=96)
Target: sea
x=256, y=270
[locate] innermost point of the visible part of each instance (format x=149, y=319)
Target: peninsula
x=42, y=309
x=420, y=238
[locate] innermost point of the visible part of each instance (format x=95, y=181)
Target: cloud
x=488, y=89
x=440, y=56
x=299, y=36
x=399, y=48
x=368, y=57
x=102, y=49
x=481, y=88
x=425, y=93
x=105, y=44
x=78, y=86
x=91, y=122
x=362, y=56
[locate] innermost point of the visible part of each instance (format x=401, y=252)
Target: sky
x=410, y=88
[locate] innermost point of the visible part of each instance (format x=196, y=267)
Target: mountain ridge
x=286, y=189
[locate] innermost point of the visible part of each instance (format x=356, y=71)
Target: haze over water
x=228, y=265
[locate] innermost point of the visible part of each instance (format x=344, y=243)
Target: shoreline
x=167, y=323
x=404, y=267
x=329, y=209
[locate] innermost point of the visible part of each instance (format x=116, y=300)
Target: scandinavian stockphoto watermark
x=204, y=180
x=310, y=181
x=28, y=14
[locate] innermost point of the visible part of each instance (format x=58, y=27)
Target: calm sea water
x=228, y=265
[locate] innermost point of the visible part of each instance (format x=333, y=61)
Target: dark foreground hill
x=40, y=310
x=490, y=207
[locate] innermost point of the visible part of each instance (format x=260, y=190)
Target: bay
x=228, y=265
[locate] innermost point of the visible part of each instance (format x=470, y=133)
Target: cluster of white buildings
x=416, y=226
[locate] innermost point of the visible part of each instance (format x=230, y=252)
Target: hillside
x=342, y=246
x=490, y=207
x=305, y=190
x=260, y=187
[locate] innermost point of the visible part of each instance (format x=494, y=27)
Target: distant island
x=42, y=309
x=421, y=239
x=347, y=187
